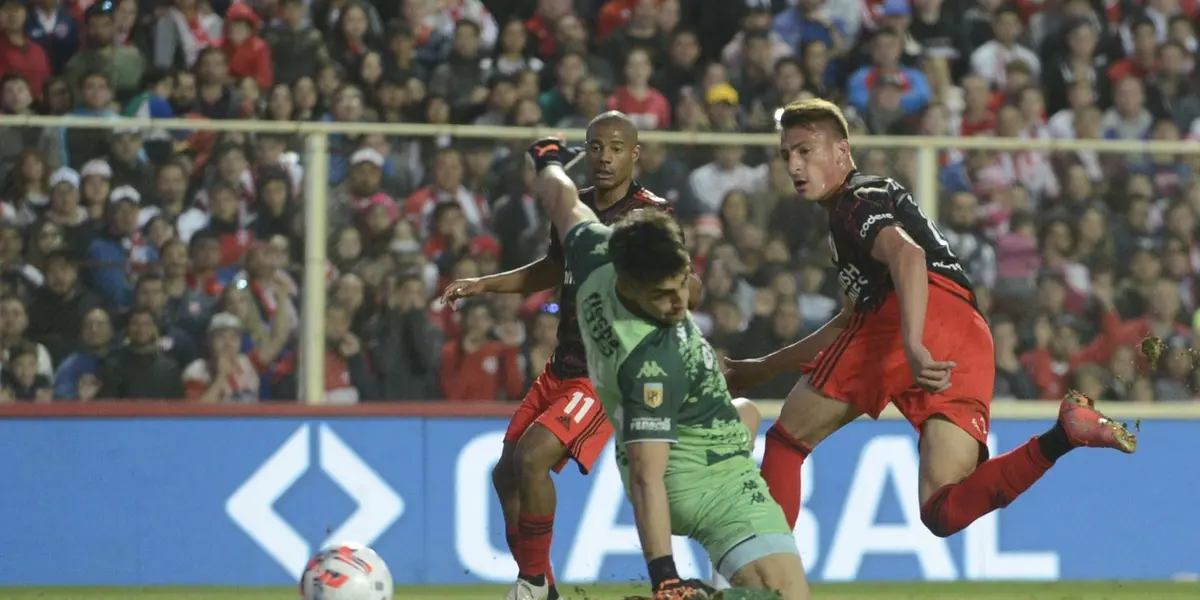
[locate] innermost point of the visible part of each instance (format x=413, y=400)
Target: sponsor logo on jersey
x=650, y=369
x=652, y=394
x=599, y=329
x=873, y=219
x=601, y=249
x=650, y=424
x=852, y=281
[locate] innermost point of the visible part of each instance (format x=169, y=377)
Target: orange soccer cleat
x=1086, y=426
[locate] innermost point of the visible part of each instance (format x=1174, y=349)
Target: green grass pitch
x=1100, y=590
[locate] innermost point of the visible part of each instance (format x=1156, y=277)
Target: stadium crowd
x=154, y=264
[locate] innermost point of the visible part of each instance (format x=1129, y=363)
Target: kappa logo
x=651, y=369
x=251, y=506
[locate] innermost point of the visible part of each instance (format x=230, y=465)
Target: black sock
x=537, y=580
x=553, y=593
x=1054, y=443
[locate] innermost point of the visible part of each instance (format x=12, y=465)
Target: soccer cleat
x=523, y=589
x=1086, y=426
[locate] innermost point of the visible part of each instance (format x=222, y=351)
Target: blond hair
x=813, y=111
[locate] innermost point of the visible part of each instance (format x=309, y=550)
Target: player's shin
x=994, y=484
x=782, y=462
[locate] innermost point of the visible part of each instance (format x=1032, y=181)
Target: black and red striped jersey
x=865, y=207
x=569, y=359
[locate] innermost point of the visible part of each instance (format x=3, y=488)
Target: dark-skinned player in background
x=909, y=334
x=560, y=418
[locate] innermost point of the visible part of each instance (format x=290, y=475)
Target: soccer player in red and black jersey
x=560, y=418
x=909, y=334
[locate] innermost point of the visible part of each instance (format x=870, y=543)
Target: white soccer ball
x=346, y=571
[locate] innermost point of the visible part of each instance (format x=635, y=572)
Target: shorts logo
x=650, y=369
x=652, y=394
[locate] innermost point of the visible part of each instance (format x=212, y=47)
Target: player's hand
x=463, y=288
x=742, y=376
x=551, y=151
x=679, y=589
x=929, y=374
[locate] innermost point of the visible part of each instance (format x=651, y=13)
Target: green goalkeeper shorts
x=731, y=513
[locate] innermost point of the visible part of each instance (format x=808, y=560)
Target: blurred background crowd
x=155, y=264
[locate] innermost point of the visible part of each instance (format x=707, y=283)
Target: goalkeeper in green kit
x=683, y=451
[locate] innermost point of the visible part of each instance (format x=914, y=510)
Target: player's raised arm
x=554, y=188
x=541, y=274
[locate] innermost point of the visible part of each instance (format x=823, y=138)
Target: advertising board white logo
x=252, y=506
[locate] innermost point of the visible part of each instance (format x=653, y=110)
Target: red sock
x=533, y=545
x=995, y=484
x=511, y=536
x=782, y=460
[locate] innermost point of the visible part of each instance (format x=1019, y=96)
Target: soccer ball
x=346, y=571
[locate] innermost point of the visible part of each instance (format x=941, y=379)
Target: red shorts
x=570, y=410
x=866, y=367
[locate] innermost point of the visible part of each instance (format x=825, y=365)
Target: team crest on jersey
x=652, y=394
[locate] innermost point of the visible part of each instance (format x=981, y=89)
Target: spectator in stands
x=53, y=26
x=297, y=48
x=139, y=369
x=96, y=101
x=348, y=375
x=462, y=77
x=405, y=344
x=1128, y=119
x=20, y=55
x=115, y=245
x=121, y=65
x=185, y=29
x=57, y=310
x=727, y=172
x=77, y=377
x=227, y=375
x=475, y=367
x=14, y=331
x=248, y=55
x=20, y=380
x=149, y=295
x=886, y=48
x=646, y=106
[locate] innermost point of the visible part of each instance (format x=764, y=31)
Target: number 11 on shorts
x=577, y=399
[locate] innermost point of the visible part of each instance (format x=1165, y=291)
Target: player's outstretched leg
x=807, y=418
x=954, y=492
x=538, y=451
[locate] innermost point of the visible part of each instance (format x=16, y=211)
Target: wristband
x=661, y=569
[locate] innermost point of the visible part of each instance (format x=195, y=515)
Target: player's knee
x=537, y=453
x=935, y=527
x=502, y=476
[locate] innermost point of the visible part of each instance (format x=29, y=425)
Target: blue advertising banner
x=168, y=501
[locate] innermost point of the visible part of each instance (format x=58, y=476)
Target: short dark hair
x=614, y=117
x=646, y=246
x=146, y=278
x=21, y=348
x=814, y=111
x=63, y=256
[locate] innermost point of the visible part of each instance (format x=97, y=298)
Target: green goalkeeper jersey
x=656, y=382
